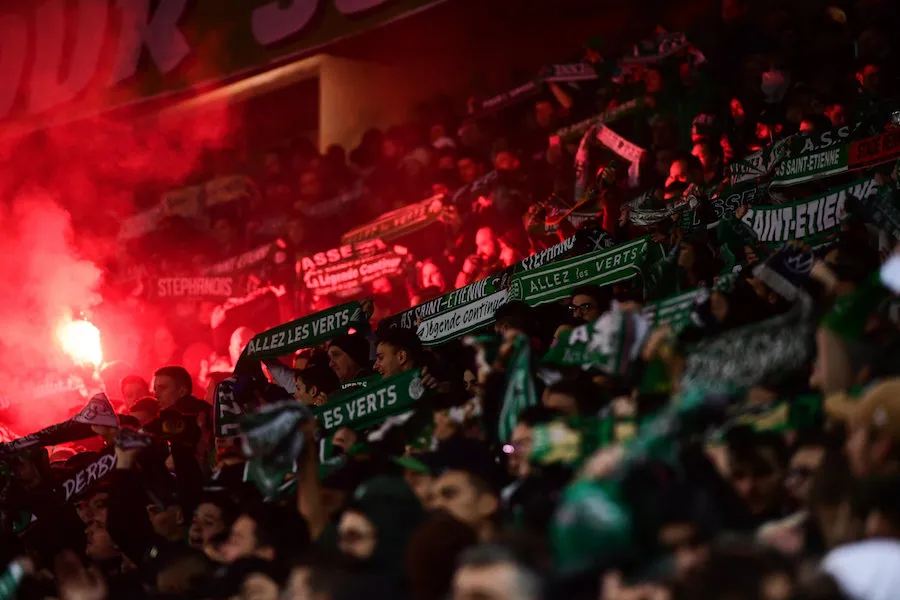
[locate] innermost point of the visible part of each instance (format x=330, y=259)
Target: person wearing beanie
x=348, y=357
x=378, y=524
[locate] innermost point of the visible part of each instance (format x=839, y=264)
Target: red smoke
x=64, y=191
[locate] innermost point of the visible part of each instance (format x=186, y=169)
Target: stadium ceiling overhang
x=62, y=60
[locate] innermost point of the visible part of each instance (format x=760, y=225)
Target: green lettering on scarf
x=366, y=407
x=305, y=332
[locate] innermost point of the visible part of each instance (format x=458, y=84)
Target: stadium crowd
x=626, y=331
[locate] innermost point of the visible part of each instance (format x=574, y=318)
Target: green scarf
x=675, y=310
x=397, y=223
x=557, y=281
x=609, y=345
x=815, y=220
x=305, y=332
x=761, y=353
x=520, y=391
x=369, y=406
x=271, y=437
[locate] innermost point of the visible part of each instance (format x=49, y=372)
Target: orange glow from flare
x=81, y=341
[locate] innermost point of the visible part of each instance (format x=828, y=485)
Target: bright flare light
x=81, y=341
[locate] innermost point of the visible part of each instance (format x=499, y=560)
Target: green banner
x=801, y=158
x=118, y=50
x=398, y=223
x=557, y=280
x=366, y=407
x=455, y=313
x=574, y=132
x=305, y=332
x=813, y=220
x=520, y=392
x=607, y=344
x=674, y=311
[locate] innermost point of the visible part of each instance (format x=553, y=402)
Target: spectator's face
x=164, y=343
x=585, y=307
x=543, y=113
x=342, y=365
x=436, y=132
x=737, y=111
x=757, y=483
x=838, y=115
x=866, y=450
x=167, y=521
x=470, y=381
x=682, y=541
x=308, y=395
x=505, y=161
x=486, y=244
x=446, y=163
x=390, y=361
x=257, y=586
x=167, y=392
x=391, y=149
x=100, y=545
x=206, y=524
x=561, y=402
x=242, y=541
x=94, y=508
x=455, y=495
x=727, y=148
x=273, y=164
x=132, y=392
x=356, y=535
x=517, y=464
x=804, y=463
x=421, y=484
x=26, y=473
x=444, y=427
x=431, y=276
x=653, y=81
x=807, y=126
x=223, y=232
x=678, y=173
x=296, y=231
x=493, y=582
x=468, y=170
x=701, y=151
x=686, y=256
x=344, y=438
x=298, y=584
x=143, y=417
x=869, y=78
x=718, y=303
x=310, y=184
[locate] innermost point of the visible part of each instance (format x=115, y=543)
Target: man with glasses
x=589, y=302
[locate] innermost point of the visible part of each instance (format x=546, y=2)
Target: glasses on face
x=580, y=308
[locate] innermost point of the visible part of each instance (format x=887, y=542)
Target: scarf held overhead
x=369, y=406
x=557, y=281
x=305, y=332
